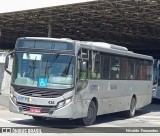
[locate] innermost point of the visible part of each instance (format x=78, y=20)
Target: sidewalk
x=3, y=108
x=4, y=101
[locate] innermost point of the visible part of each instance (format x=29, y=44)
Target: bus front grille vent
x=38, y=93
x=26, y=107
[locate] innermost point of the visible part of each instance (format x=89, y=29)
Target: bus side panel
x=81, y=103
x=116, y=95
x=143, y=90
x=112, y=95
x=98, y=89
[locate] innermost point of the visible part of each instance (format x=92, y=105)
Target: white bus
x=156, y=79
x=64, y=78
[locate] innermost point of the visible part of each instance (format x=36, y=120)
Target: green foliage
x=8, y=50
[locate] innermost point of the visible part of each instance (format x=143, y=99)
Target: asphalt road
x=148, y=116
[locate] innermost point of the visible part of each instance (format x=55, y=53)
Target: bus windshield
x=43, y=70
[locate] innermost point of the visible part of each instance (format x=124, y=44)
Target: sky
x=18, y=5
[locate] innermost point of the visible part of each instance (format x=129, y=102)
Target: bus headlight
x=13, y=98
x=154, y=89
x=64, y=103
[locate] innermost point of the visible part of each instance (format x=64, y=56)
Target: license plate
x=35, y=110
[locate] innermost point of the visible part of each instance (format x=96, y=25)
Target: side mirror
x=7, y=63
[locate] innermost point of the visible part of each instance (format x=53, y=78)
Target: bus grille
x=44, y=109
x=38, y=93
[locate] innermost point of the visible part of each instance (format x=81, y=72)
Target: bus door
x=81, y=82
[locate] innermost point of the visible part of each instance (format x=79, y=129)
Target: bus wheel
x=37, y=118
x=91, y=115
x=132, y=110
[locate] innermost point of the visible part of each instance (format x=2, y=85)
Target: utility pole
x=50, y=30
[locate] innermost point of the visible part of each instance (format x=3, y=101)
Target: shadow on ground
x=74, y=124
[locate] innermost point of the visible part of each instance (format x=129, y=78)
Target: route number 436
x=51, y=102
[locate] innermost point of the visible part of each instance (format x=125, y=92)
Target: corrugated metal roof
x=129, y=22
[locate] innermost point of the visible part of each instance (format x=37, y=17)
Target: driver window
x=95, y=65
x=115, y=67
x=82, y=70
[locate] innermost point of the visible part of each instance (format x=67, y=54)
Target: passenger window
x=105, y=65
x=95, y=73
x=115, y=68
x=123, y=68
x=131, y=69
x=149, y=70
x=144, y=70
x=138, y=71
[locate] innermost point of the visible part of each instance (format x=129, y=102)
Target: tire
x=37, y=118
x=131, y=112
x=91, y=115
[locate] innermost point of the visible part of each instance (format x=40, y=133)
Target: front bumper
x=64, y=112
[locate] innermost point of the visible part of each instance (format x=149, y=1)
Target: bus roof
x=48, y=38
x=107, y=47
x=115, y=49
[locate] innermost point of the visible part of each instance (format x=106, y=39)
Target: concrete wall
x=1, y=74
x=5, y=78
x=5, y=88
x=2, y=61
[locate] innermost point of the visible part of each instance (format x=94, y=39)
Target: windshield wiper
x=67, y=71
x=48, y=66
x=33, y=67
x=46, y=69
x=55, y=58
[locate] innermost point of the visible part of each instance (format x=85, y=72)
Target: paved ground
x=4, y=100
x=148, y=116
x=3, y=108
